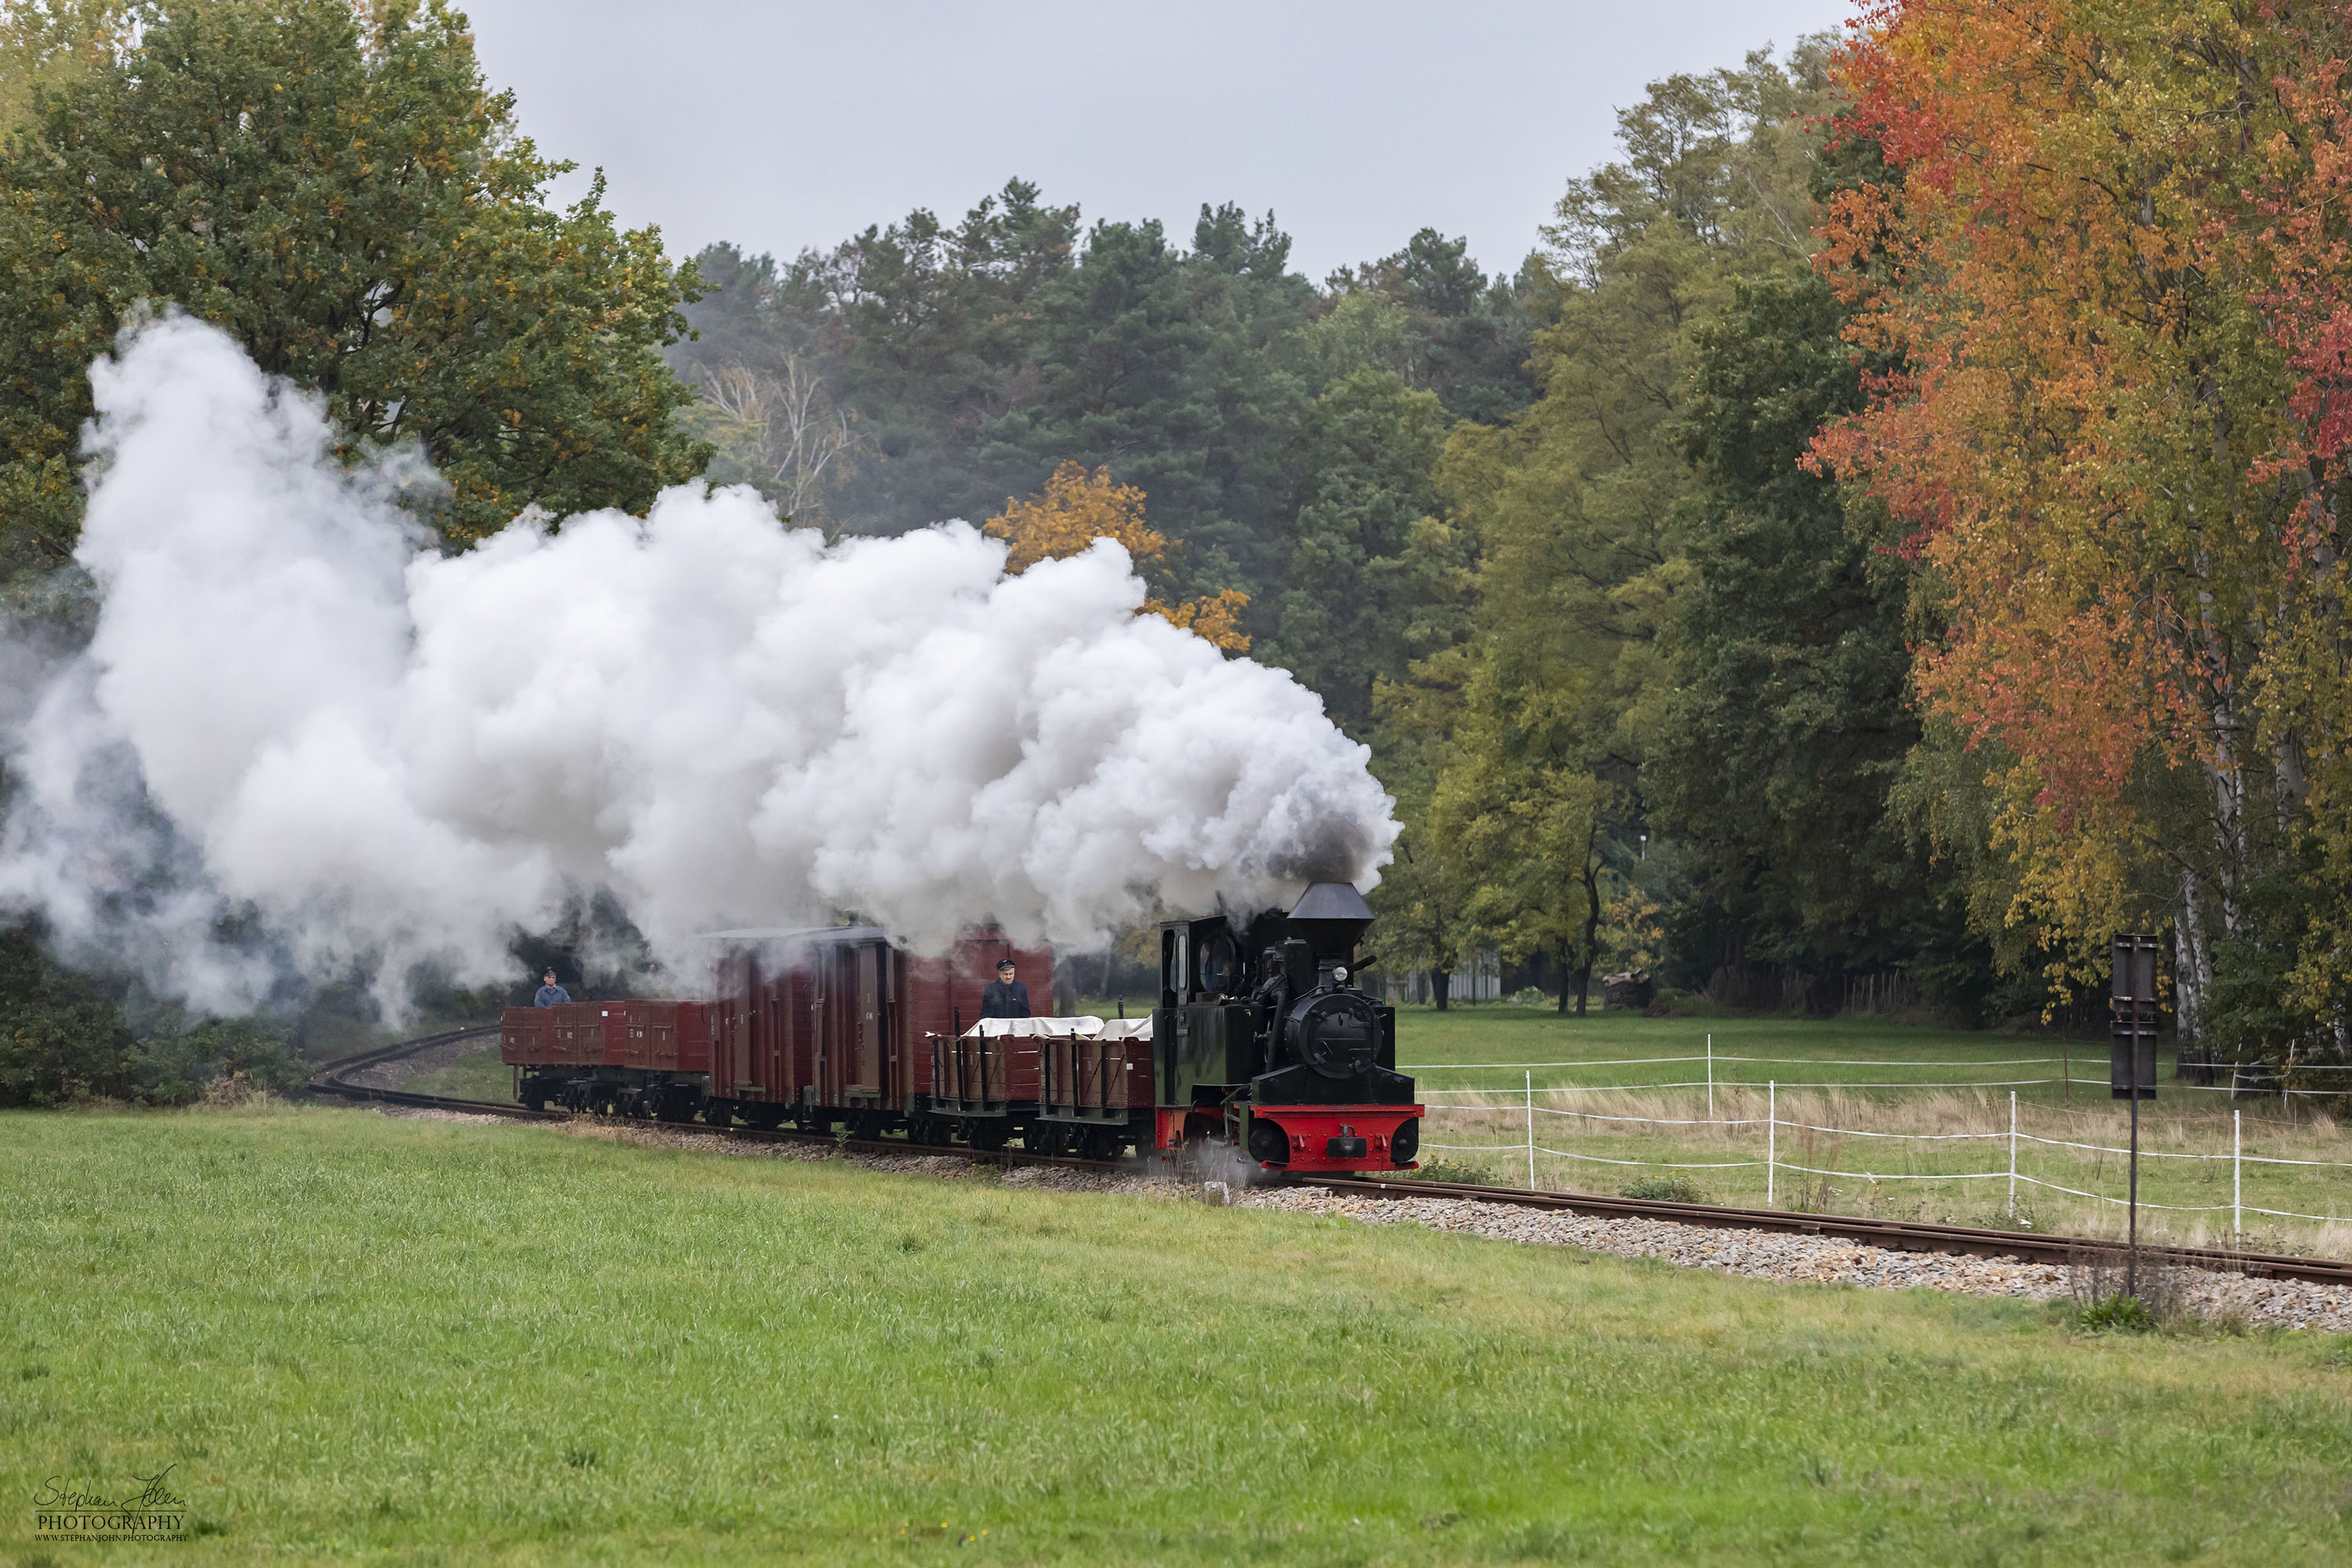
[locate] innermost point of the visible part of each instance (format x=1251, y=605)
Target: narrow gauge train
x=1262, y=1043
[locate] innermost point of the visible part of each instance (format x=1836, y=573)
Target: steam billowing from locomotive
x=302, y=737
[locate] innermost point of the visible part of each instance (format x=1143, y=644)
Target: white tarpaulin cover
x=1084, y=1027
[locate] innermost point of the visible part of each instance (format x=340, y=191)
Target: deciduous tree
x=335, y=185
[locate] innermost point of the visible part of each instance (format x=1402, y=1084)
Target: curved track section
x=1895, y=1235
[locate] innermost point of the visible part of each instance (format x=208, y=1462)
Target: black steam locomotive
x=1269, y=1045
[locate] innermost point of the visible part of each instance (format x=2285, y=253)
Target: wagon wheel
x=719, y=1113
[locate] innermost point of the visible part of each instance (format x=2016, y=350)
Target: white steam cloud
x=301, y=737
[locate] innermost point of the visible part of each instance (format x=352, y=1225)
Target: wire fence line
x=1744, y=1083
x=1772, y=1163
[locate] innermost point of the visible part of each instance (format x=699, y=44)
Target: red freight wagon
x=1098, y=1091
x=592, y=1060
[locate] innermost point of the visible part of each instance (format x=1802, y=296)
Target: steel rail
x=1894, y=1235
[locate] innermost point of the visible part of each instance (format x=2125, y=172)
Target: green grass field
x=406, y=1342
x=479, y=1076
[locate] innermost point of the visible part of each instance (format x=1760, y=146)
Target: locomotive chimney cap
x=1330, y=917
x=1331, y=901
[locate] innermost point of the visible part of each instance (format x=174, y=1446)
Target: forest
x=1879, y=540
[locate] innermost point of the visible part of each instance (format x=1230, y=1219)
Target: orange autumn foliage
x=1077, y=508
x=2083, y=443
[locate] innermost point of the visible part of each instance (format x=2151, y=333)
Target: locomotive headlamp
x=1340, y=974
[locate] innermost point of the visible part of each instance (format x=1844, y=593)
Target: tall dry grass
x=1936, y=1153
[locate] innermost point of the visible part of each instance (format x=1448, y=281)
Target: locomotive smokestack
x=1330, y=917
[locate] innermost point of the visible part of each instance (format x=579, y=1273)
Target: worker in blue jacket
x=550, y=992
x=1005, y=997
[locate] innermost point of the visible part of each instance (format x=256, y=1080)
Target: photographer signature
x=153, y=1494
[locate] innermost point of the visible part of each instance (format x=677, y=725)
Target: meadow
x=479, y=1076
x=424, y=1343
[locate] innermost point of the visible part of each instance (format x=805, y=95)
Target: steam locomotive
x=1263, y=1047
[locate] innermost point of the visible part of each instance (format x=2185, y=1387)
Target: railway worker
x=1005, y=997
x=550, y=992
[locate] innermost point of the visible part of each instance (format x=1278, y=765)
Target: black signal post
x=2131, y=1058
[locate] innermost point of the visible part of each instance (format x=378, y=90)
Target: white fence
x=1772, y=1122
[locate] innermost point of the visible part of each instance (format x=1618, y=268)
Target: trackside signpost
x=2131, y=1058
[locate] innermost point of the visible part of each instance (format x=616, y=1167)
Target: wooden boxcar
x=837, y=1027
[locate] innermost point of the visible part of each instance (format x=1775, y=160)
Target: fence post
x=2237, y=1177
x=1710, y=1078
x=2012, y=1153
x=1531, y=1131
x=1771, y=1139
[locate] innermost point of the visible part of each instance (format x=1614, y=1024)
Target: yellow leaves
x=1076, y=509
x=1079, y=508
x=1216, y=619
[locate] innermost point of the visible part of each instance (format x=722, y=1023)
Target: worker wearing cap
x=1005, y=997
x=550, y=992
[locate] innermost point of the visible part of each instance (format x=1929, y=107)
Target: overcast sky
x=788, y=124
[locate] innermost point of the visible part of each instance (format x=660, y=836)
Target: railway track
x=1897, y=1235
